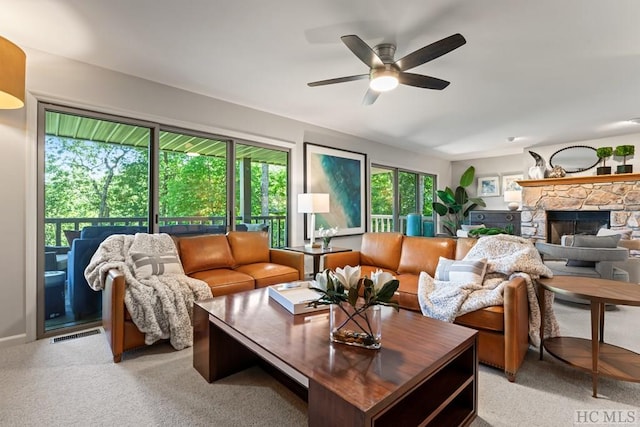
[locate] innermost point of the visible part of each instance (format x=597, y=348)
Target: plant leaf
x=388, y=290
x=467, y=177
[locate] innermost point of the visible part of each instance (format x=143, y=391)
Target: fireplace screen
x=561, y=223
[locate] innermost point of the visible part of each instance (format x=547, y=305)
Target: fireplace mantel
x=623, y=177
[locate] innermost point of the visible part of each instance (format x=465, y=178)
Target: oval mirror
x=576, y=158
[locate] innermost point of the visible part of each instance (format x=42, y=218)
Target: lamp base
x=513, y=206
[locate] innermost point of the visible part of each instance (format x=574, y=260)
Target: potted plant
x=624, y=151
x=455, y=206
x=603, y=154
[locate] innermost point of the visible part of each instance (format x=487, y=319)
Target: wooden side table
x=592, y=355
x=316, y=253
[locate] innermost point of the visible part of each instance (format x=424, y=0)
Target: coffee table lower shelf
x=613, y=361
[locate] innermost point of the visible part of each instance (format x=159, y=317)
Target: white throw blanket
x=507, y=257
x=161, y=305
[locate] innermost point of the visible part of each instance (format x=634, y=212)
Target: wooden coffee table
x=593, y=355
x=426, y=372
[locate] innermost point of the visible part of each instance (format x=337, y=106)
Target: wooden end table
x=426, y=372
x=592, y=355
x=316, y=253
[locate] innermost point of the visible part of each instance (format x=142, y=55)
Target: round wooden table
x=592, y=355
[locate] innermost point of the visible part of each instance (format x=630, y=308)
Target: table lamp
x=513, y=198
x=313, y=203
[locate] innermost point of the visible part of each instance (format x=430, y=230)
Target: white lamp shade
x=12, y=75
x=313, y=203
x=512, y=196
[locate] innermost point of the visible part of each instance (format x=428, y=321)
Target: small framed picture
x=488, y=186
x=510, y=182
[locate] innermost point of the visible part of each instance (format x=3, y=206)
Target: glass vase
x=357, y=326
x=326, y=243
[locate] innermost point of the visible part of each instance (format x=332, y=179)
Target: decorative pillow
x=147, y=265
x=589, y=241
x=466, y=271
x=624, y=233
x=467, y=227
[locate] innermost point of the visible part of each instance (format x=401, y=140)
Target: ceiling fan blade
x=338, y=80
x=362, y=51
x=430, y=52
x=419, y=80
x=370, y=97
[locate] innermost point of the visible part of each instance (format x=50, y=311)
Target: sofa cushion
x=381, y=249
x=266, y=273
x=461, y=271
x=422, y=254
x=407, y=293
x=249, y=247
x=205, y=252
x=464, y=245
x=224, y=281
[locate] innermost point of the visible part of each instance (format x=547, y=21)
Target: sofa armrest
x=113, y=312
x=341, y=259
x=516, y=325
x=288, y=258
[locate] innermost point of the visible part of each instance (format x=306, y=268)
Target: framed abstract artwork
x=488, y=186
x=341, y=174
x=510, y=182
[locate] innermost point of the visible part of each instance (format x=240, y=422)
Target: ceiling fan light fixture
x=383, y=80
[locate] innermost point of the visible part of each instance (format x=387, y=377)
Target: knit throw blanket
x=507, y=257
x=158, y=295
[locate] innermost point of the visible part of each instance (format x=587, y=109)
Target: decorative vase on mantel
x=357, y=326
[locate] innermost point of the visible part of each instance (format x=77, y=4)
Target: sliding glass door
x=94, y=183
x=395, y=193
x=261, y=189
x=192, y=183
x=101, y=175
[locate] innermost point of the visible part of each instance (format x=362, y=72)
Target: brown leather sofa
x=235, y=262
x=503, y=330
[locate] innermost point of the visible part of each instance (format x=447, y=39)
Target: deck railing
x=55, y=227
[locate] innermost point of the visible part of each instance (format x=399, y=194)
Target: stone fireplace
x=617, y=196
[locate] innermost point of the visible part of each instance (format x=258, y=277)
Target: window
x=396, y=193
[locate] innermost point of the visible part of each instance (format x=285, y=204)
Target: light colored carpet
x=75, y=383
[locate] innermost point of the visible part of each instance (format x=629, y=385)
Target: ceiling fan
x=385, y=73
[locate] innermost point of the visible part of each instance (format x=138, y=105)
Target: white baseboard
x=13, y=340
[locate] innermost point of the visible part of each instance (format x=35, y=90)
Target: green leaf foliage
x=455, y=206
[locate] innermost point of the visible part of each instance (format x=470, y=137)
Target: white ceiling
x=544, y=71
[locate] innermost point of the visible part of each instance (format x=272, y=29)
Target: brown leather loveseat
x=503, y=330
x=235, y=262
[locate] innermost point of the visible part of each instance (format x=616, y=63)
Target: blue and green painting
x=341, y=178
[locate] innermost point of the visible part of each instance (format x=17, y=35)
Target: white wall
x=58, y=80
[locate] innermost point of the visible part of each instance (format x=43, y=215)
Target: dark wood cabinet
x=499, y=219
